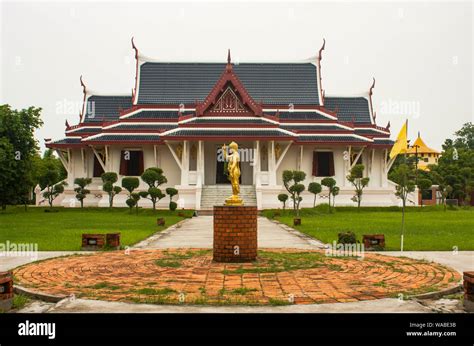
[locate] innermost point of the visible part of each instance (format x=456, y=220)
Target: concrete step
x=212, y=195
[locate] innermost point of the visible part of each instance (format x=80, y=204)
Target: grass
x=273, y=262
x=426, y=229
x=62, y=230
x=19, y=301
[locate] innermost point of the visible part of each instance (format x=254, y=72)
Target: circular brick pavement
x=191, y=277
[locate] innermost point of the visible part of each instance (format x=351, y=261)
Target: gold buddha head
x=233, y=146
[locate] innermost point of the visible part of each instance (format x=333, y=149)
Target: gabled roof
x=270, y=83
x=105, y=108
x=349, y=108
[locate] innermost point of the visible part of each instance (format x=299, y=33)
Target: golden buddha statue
x=233, y=168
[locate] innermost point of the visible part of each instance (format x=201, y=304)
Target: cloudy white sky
x=420, y=53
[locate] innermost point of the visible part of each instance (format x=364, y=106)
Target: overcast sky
x=420, y=53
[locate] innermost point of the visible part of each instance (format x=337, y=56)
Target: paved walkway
x=197, y=232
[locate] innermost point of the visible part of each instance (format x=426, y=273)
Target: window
x=131, y=162
x=323, y=164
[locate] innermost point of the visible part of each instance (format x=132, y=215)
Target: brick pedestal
x=468, y=284
x=235, y=234
x=113, y=240
x=6, y=290
x=93, y=242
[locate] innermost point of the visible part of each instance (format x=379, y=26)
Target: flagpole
x=403, y=211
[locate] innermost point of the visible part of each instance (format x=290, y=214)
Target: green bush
x=173, y=206
x=347, y=238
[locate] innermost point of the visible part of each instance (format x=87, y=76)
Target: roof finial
x=84, y=91
x=388, y=125
x=228, y=56
x=82, y=84
x=320, y=55
x=418, y=134
x=134, y=48
x=370, y=100
x=67, y=125
x=373, y=85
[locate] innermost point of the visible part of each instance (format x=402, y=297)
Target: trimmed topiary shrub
x=347, y=238
x=173, y=206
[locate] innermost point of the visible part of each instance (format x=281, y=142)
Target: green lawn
x=62, y=230
x=427, y=228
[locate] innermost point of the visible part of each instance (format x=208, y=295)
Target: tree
x=314, y=188
x=130, y=184
x=444, y=188
x=49, y=176
x=18, y=147
x=330, y=183
x=359, y=182
x=403, y=176
x=455, y=166
x=171, y=191
x=109, y=179
x=292, y=182
x=53, y=191
x=283, y=197
x=423, y=185
x=154, y=177
x=334, y=193
x=81, y=191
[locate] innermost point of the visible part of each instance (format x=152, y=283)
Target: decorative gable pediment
x=229, y=102
x=229, y=96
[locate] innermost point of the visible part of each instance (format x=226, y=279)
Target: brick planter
x=373, y=241
x=6, y=290
x=113, y=240
x=468, y=284
x=235, y=234
x=93, y=242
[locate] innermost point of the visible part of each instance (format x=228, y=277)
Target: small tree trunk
x=329, y=200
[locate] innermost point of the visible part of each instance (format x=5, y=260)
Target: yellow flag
x=401, y=143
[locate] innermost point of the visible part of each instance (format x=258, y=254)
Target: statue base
x=235, y=234
x=234, y=200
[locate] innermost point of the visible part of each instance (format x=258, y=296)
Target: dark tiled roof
x=67, y=140
x=383, y=141
x=85, y=130
x=127, y=126
x=99, y=108
x=124, y=138
x=299, y=115
x=335, y=138
x=228, y=133
x=223, y=120
x=349, y=108
x=155, y=114
x=370, y=132
x=304, y=127
x=175, y=83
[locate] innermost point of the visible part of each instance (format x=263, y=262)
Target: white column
x=200, y=162
x=272, y=164
x=185, y=164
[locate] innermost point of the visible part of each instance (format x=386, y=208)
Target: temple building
x=424, y=154
x=179, y=115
